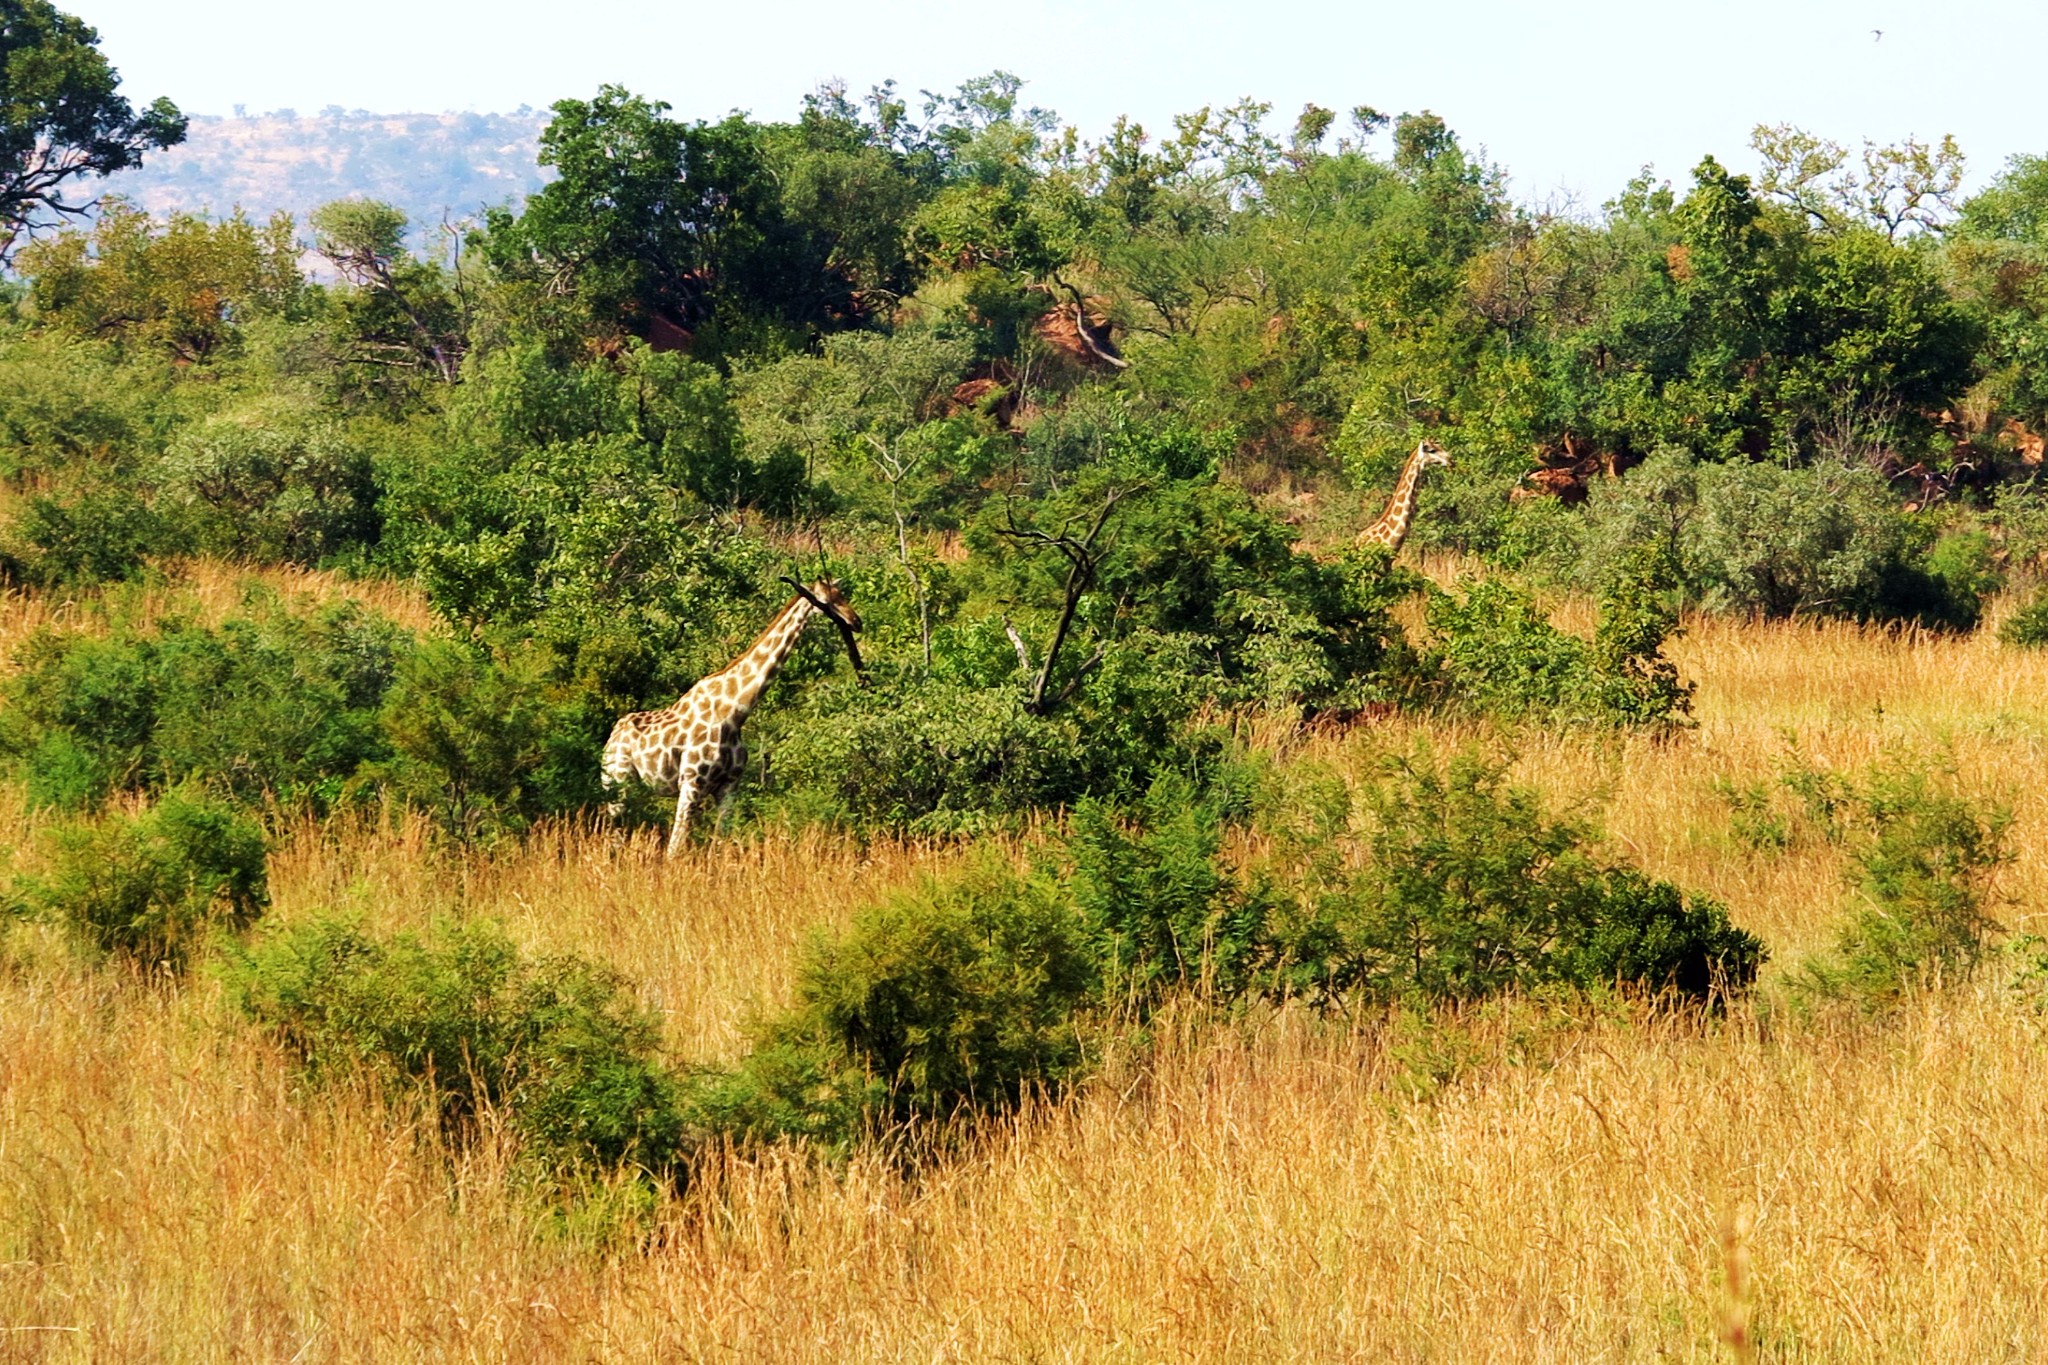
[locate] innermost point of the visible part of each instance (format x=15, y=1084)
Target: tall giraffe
x=1392, y=527
x=693, y=748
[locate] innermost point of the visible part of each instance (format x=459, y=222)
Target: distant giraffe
x=1392, y=527
x=693, y=748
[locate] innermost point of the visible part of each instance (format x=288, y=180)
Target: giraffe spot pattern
x=693, y=748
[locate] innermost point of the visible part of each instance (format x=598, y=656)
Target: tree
x=1902, y=185
x=404, y=313
x=872, y=411
x=726, y=237
x=61, y=118
x=177, y=287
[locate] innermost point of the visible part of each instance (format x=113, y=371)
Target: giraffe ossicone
x=693, y=748
x=1392, y=527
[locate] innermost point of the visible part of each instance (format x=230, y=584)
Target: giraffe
x=694, y=748
x=1392, y=527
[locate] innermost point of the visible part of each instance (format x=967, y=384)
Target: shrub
x=956, y=752
x=469, y=733
x=153, y=886
x=1498, y=654
x=271, y=486
x=927, y=756
x=1827, y=538
x=1633, y=683
x=83, y=535
x=961, y=995
x=1924, y=857
x=1468, y=888
x=1163, y=911
x=266, y=704
x=2027, y=628
x=64, y=403
x=555, y=1048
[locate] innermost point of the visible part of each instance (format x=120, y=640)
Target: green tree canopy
x=62, y=118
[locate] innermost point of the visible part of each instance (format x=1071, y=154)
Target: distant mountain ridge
x=434, y=166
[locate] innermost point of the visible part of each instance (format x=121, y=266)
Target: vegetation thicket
x=1192, y=931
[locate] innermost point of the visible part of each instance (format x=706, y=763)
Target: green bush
x=1498, y=654
x=958, y=751
x=960, y=996
x=1924, y=855
x=269, y=704
x=553, y=1048
x=65, y=403
x=2027, y=628
x=270, y=485
x=153, y=886
x=1633, y=683
x=931, y=756
x=1164, y=912
x=83, y=535
x=1820, y=539
x=470, y=734
x=1468, y=888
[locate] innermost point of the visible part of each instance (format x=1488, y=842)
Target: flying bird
x=1877, y=35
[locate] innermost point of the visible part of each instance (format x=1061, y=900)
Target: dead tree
x=1084, y=554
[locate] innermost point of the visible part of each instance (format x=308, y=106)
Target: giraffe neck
x=752, y=670
x=1392, y=527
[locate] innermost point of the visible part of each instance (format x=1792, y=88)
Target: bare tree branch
x=1084, y=561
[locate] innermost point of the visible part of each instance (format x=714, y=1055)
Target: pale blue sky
x=1568, y=97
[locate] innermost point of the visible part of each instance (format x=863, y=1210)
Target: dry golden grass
x=203, y=590
x=1270, y=1189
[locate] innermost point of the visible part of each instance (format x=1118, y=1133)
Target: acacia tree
x=1902, y=186
x=62, y=118
x=406, y=312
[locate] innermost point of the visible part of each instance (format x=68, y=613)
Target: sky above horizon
x=1570, y=99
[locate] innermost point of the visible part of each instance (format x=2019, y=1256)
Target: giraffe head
x=827, y=590
x=1429, y=453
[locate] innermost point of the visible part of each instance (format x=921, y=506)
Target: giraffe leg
x=729, y=782
x=686, y=795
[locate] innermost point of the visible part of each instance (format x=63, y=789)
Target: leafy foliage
x=152, y=886
x=270, y=704
x=61, y=116
x=1164, y=912
x=2027, y=628
x=1468, y=888
x=554, y=1048
x=1500, y=655
x=181, y=288
x=270, y=486
x=1779, y=541
x=470, y=737
x=959, y=996
x=1925, y=853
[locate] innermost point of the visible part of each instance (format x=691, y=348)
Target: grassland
x=1604, y=1185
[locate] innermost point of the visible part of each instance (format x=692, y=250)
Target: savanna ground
x=1601, y=1183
